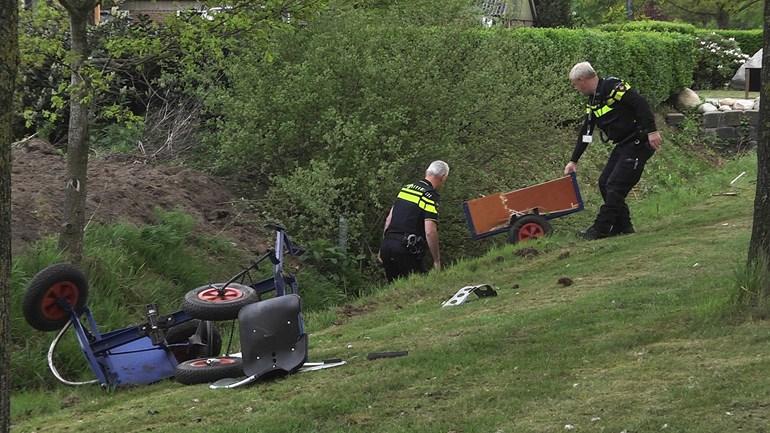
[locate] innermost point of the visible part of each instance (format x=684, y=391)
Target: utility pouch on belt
x=414, y=244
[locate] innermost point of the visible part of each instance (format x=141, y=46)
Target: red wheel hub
x=213, y=295
x=204, y=363
x=64, y=291
x=531, y=231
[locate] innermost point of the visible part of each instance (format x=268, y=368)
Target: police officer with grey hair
x=411, y=227
x=623, y=117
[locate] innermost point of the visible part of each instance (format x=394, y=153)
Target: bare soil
x=122, y=189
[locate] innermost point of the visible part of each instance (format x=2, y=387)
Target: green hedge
x=347, y=112
x=750, y=41
x=653, y=62
x=650, y=26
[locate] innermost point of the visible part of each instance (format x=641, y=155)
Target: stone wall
x=723, y=121
x=732, y=126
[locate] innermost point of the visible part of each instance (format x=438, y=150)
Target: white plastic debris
x=738, y=177
x=569, y=427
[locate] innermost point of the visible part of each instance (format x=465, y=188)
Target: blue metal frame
x=549, y=216
x=125, y=356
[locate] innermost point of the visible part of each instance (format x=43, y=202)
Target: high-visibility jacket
x=619, y=111
x=414, y=203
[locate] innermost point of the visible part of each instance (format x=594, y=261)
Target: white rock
x=744, y=104
x=725, y=108
x=756, y=103
x=569, y=427
x=687, y=99
x=706, y=108
x=727, y=101
x=712, y=101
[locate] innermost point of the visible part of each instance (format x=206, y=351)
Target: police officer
x=624, y=117
x=412, y=225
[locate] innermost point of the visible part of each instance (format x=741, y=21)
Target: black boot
x=592, y=233
x=622, y=229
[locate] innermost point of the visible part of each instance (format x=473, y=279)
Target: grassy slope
x=644, y=340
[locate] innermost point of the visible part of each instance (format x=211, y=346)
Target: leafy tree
x=707, y=12
x=553, y=13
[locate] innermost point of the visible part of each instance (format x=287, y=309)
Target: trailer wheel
x=181, y=333
x=52, y=293
x=529, y=227
x=204, y=370
x=207, y=303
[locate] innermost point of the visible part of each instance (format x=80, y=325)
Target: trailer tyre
x=529, y=227
x=207, y=303
x=50, y=295
x=181, y=333
x=205, y=370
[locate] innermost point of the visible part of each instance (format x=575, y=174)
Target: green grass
x=646, y=339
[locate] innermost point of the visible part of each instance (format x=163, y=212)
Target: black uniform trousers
x=397, y=260
x=623, y=170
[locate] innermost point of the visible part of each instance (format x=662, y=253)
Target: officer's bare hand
x=655, y=140
x=571, y=167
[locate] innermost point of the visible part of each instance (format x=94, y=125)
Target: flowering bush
x=717, y=59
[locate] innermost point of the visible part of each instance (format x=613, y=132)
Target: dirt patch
x=121, y=189
x=526, y=253
x=352, y=311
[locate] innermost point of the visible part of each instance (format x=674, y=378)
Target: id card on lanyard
x=588, y=138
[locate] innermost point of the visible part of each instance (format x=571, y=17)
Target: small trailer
x=523, y=213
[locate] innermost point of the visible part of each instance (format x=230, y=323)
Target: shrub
x=749, y=41
x=717, y=60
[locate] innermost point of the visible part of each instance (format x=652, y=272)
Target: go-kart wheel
x=204, y=370
x=181, y=333
x=529, y=227
x=207, y=303
x=52, y=293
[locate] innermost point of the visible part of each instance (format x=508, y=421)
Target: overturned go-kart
x=184, y=344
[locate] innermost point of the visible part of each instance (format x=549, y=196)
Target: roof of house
x=493, y=7
x=498, y=8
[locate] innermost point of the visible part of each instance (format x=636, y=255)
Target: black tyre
x=50, y=295
x=182, y=332
x=529, y=227
x=205, y=370
x=207, y=303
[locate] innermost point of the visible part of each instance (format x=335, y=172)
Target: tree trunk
x=759, y=249
x=723, y=18
x=9, y=57
x=71, y=237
